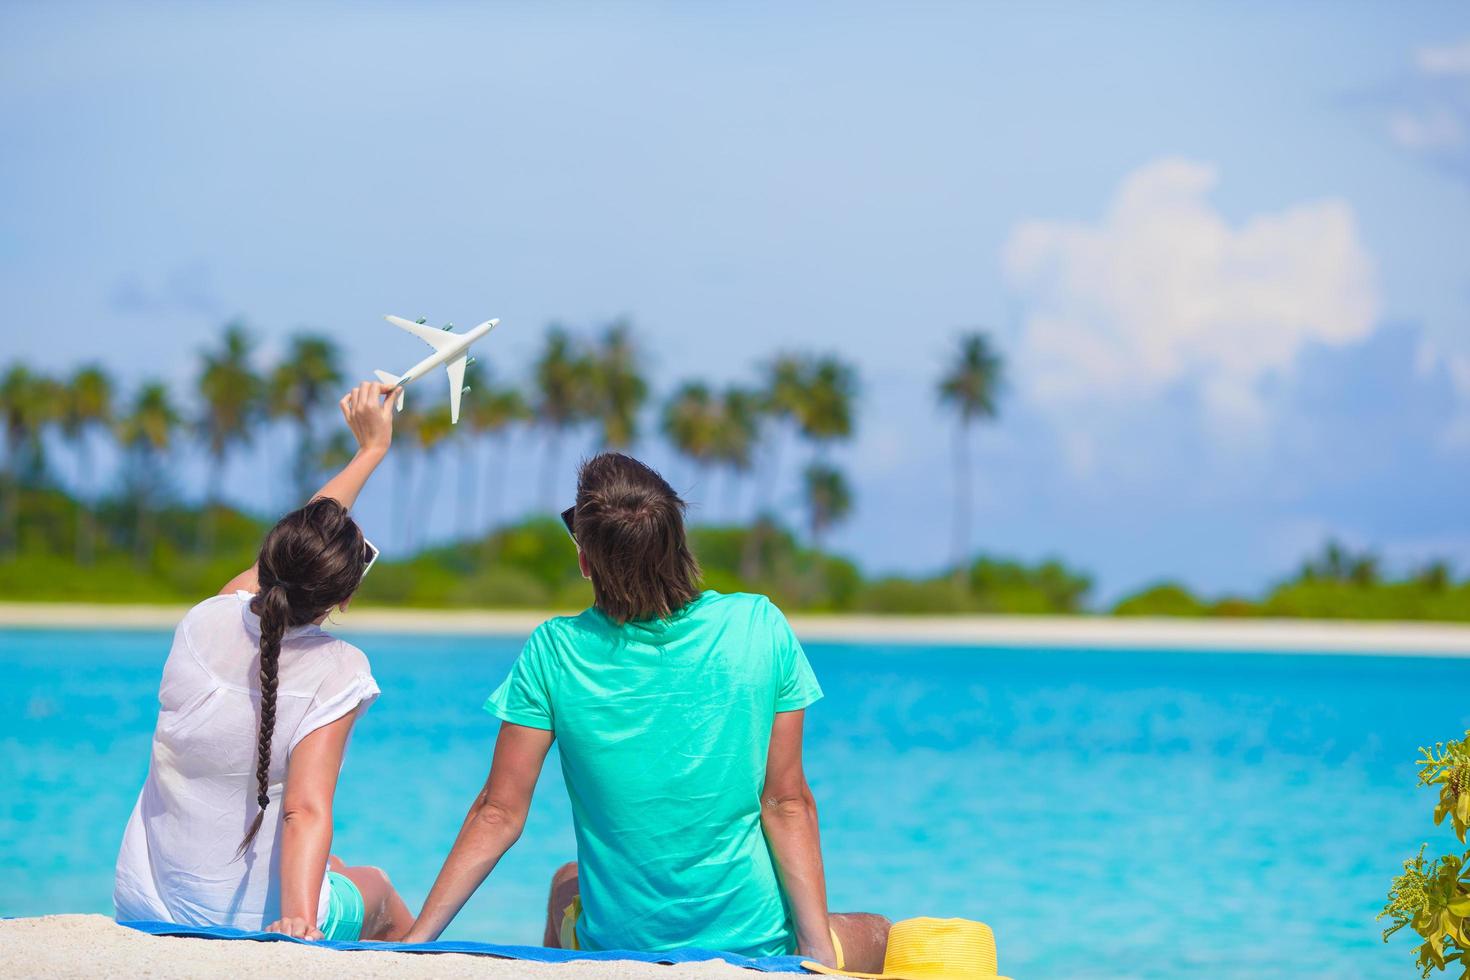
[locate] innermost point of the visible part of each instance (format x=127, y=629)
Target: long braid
x=312, y=560
x=274, y=612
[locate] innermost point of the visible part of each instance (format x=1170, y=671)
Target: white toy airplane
x=450, y=350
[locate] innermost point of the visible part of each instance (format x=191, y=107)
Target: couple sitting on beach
x=678, y=714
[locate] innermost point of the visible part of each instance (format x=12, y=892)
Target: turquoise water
x=1111, y=814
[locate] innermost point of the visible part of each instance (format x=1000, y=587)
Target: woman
x=679, y=717
x=234, y=823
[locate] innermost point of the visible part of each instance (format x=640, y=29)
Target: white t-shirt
x=177, y=862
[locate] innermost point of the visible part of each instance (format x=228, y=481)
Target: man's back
x=663, y=728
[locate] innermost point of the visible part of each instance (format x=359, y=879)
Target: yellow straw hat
x=933, y=949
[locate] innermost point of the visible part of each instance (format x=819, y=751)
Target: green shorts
x=344, y=909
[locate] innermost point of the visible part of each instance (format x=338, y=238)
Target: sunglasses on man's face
x=569, y=518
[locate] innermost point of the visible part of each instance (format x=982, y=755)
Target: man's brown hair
x=630, y=524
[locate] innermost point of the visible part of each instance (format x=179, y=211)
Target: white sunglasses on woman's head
x=372, y=556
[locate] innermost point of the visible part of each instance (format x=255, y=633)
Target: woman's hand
x=295, y=928
x=370, y=415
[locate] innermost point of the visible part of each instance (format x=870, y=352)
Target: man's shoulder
x=736, y=603
x=571, y=627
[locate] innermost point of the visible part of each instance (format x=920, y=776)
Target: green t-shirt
x=663, y=727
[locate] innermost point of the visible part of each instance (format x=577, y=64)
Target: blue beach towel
x=768, y=964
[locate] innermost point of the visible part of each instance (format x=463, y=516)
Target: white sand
x=95, y=946
x=1266, y=635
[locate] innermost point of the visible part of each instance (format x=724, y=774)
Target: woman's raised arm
x=368, y=409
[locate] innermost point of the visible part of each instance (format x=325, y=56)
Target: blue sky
x=1225, y=247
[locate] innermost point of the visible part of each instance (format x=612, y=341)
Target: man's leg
x=864, y=939
x=564, y=888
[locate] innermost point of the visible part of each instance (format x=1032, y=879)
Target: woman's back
x=179, y=860
x=663, y=728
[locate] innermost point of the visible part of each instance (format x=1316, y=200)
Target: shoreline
x=1364, y=637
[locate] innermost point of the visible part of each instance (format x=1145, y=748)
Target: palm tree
x=828, y=499
x=971, y=387
x=434, y=432
x=464, y=436
x=781, y=398
x=146, y=434
x=781, y=394
x=27, y=405
x=1435, y=576
x=824, y=412
x=406, y=426
x=303, y=383
x=737, y=427
x=690, y=421
x=620, y=387
x=87, y=409
x=232, y=399
x=562, y=375
x=495, y=410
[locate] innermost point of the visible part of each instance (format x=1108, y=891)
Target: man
x=678, y=713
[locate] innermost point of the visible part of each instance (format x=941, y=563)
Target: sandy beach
x=95, y=946
x=1103, y=632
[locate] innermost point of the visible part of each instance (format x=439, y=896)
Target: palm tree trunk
x=961, y=542
x=732, y=495
x=489, y=497
x=12, y=515
x=143, y=531
x=424, y=502
x=702, y=474
x=86, y=531
x=548, y=471
x=10, y=505
x=750, y=551
x=209, y=521
x=305, y=461
x=498, y=450
x=402, y=489
x=767, y=487
x=466, y=509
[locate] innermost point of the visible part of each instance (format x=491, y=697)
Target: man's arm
x=494, y=823
x=789, y=818
x=370, y=416
x=306, y=818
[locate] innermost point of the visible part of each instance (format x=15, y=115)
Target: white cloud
x=1435, y=129
x=1429, y=115
x=1429, y=112
x=1164, y=292
x=1445, y=59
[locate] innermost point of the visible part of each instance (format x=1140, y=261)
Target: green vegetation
x=526, y=565
x=129, y=536
x=1433, y=897
x=1335, y=584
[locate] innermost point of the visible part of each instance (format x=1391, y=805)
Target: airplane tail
x=391, y=379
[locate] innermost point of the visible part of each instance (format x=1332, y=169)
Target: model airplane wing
x=456, y=386
x=433, y=336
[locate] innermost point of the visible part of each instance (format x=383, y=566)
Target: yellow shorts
x=567, y=934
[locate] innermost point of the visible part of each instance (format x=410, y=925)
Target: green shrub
x=1164, y=599
x=1433, y=897
x=901, y=595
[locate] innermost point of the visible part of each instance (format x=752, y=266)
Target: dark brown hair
x=312, y=560
x=630, y=525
